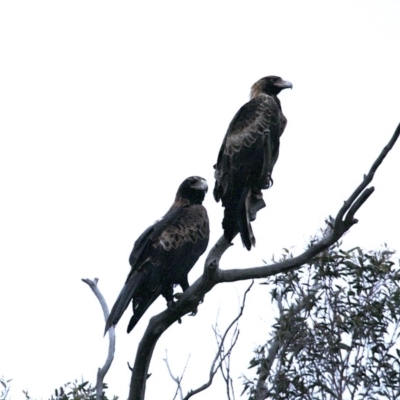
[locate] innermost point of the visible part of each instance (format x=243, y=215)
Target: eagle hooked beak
x=201, y=184
x=284, y=84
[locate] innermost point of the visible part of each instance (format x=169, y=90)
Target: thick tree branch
x=101, y=372
x=213, y=275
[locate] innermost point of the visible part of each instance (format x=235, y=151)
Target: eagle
x=165, y=252
x=247, y=157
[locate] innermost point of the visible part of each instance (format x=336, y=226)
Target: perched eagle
x=165, y=252
x=247, y=157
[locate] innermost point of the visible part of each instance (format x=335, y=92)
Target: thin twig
x=227, y=364
x=177, y=380
x=214, y=369
x=101, y=372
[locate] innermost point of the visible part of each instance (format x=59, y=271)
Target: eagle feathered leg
x=234, y=205
x=255, y=204
x=246, y=231
x=185, y=285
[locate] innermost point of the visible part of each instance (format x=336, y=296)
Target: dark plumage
x=247, y=157
x=165, y=252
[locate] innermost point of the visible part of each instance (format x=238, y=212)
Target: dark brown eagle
x=247, y=157
x=165, y=252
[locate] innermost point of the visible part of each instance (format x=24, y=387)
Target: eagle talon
x=256, y=204
x=195, y=309
x=178, y=295
x=171, y=304
x=194, y=312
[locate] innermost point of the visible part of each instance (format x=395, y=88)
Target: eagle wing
x=162, y=257
x=250, y=148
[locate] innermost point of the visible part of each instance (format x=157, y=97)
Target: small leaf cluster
x=75, y=391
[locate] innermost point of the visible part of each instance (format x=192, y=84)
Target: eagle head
x=271, y=85
x=192, y=190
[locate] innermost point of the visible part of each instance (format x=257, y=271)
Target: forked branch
x=101, y=372
x=213, y=275
x=221, y=354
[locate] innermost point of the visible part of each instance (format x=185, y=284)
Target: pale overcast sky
x=107, y=106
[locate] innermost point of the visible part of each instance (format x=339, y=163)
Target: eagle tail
x=141, y=306
x=234, y=216
x=246, y=231
x=123, y=300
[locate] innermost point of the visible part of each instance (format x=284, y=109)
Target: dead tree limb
x=219, y=356
x=176, y=379
x=213, y=275
x=101, y=372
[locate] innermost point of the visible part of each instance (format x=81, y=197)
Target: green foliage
x=335, y=337
x=75, y=391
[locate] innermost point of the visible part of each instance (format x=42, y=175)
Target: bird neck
x=277, y=102
x=180, y=202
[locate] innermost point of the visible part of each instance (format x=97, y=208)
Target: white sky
x=107, y=107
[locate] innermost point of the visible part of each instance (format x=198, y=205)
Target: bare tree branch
x=219, y=355
x=213, y=275
x=226, y=364
x=177, y=379
x=101, y=372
